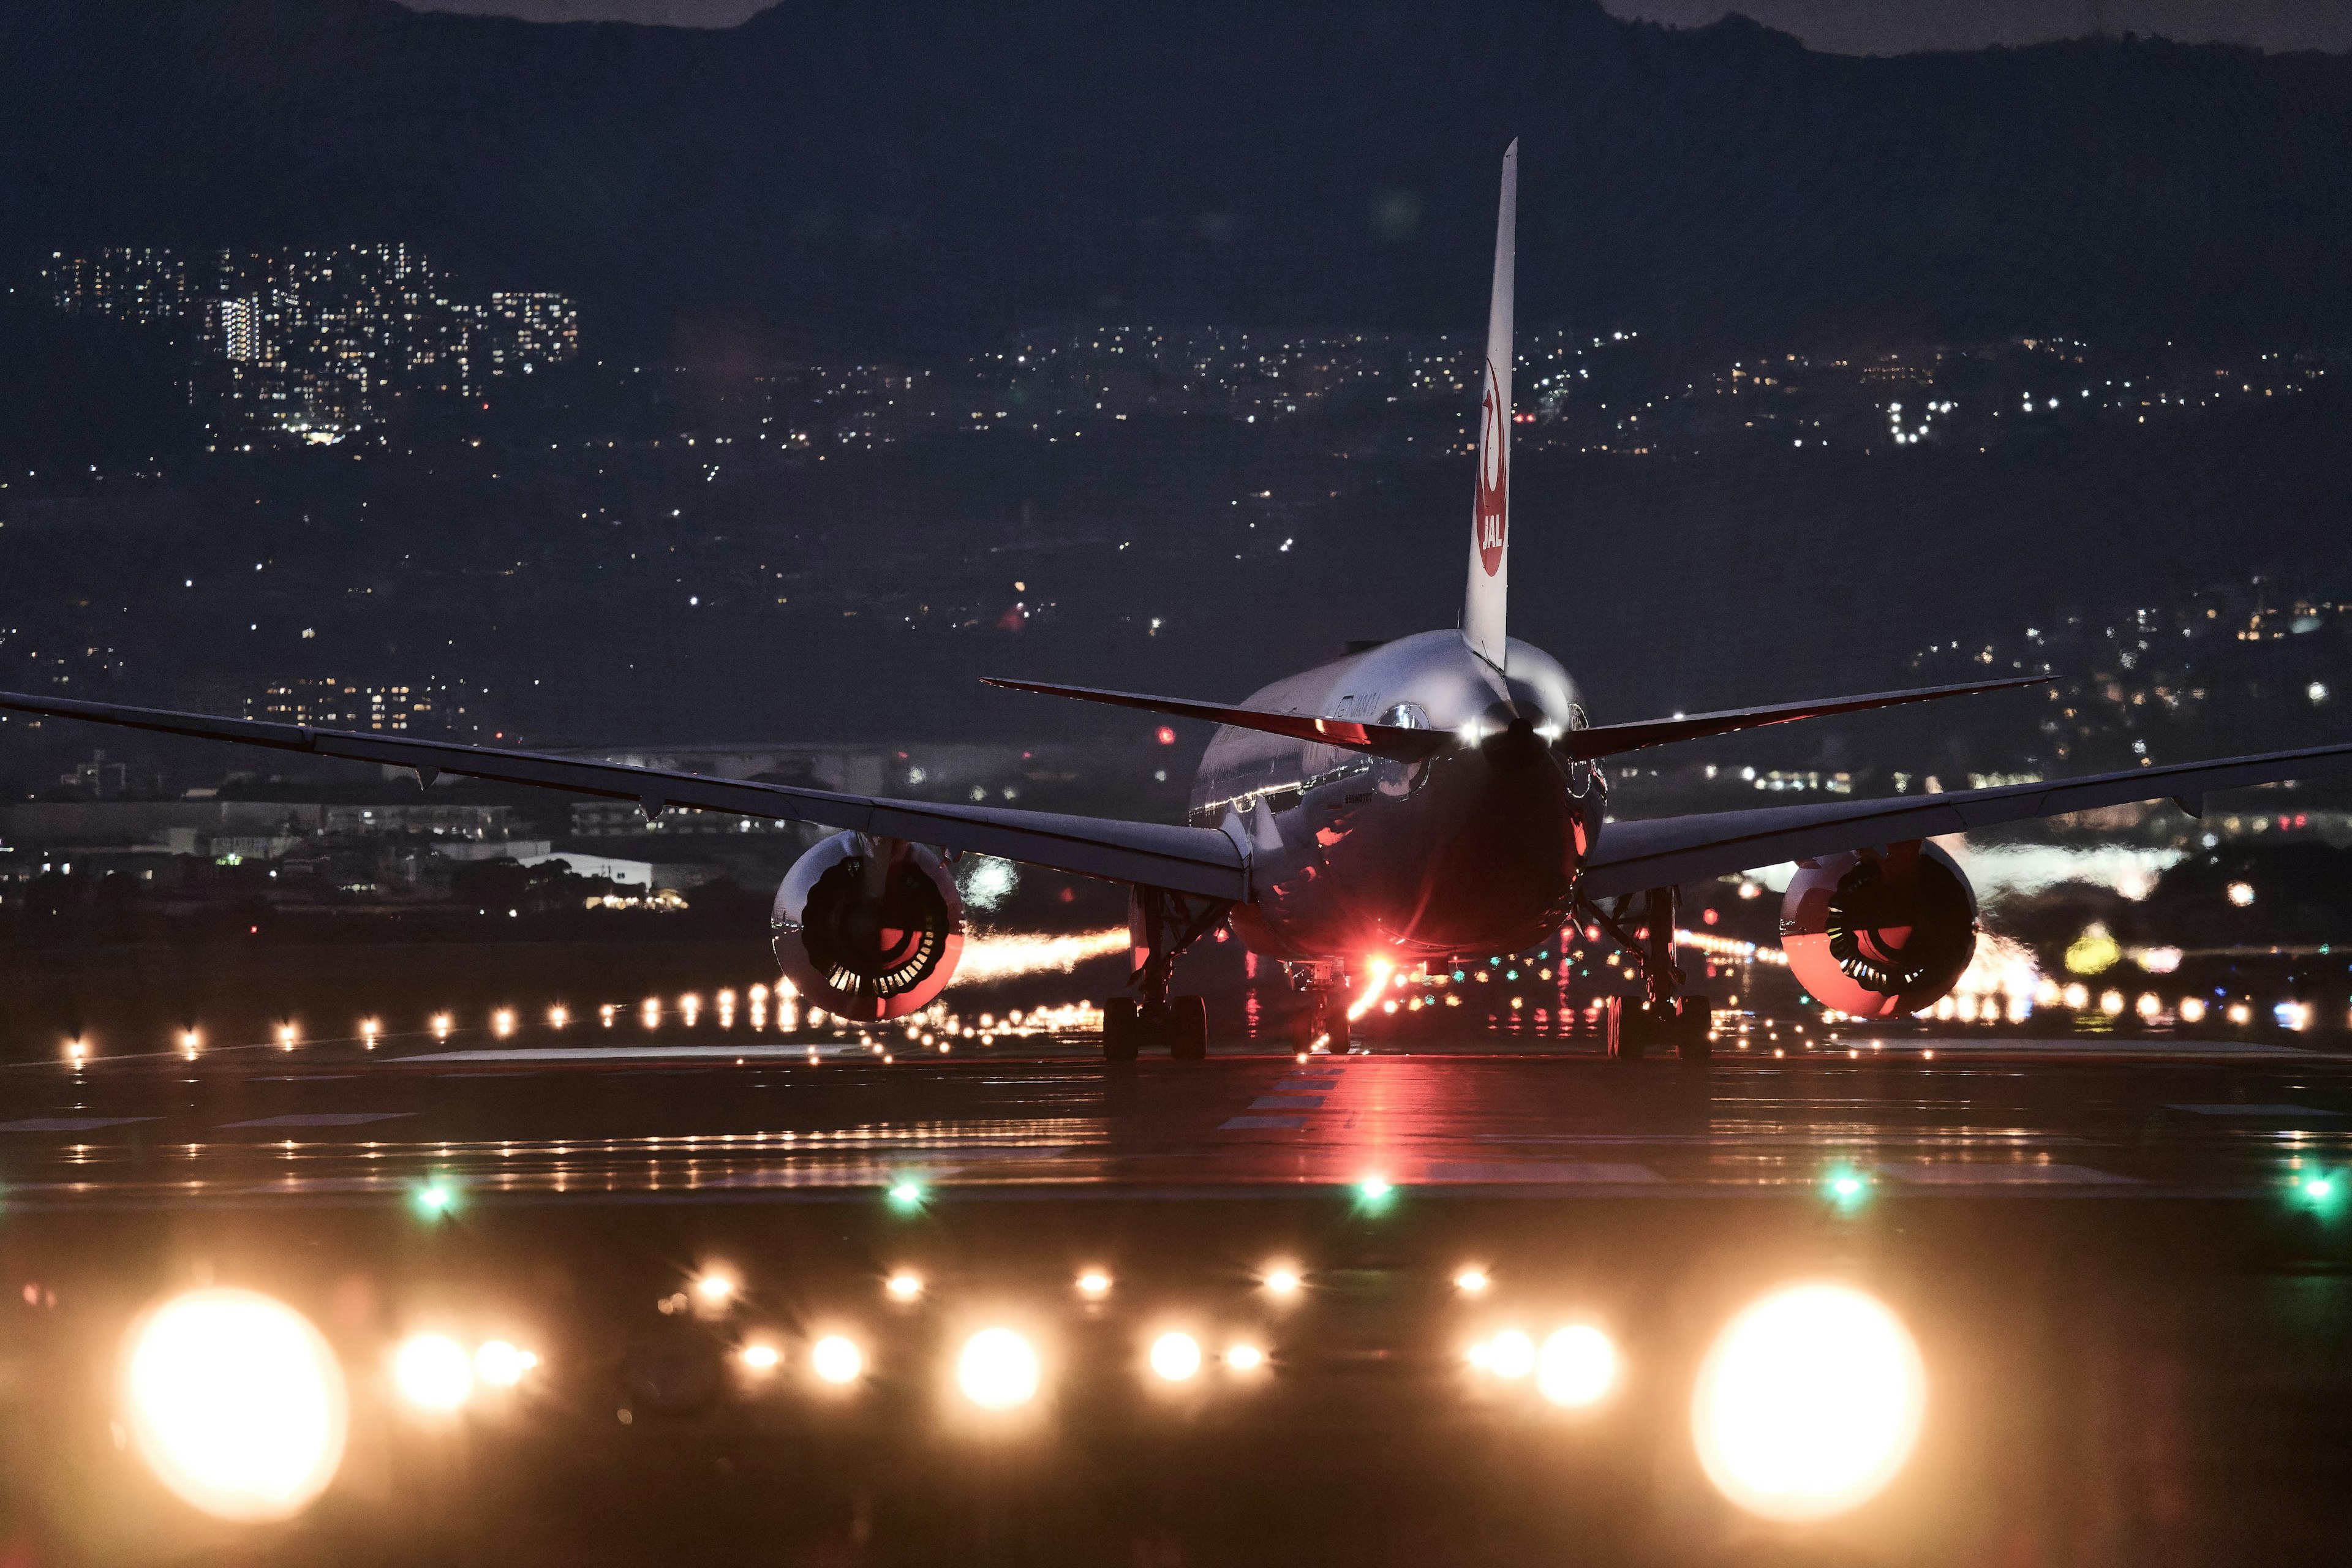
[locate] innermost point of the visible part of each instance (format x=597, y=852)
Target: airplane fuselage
x=1473, y=850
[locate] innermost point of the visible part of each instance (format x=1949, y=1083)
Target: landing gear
x=1162, y=925
x=1667, y=1017
x=1323, y=1024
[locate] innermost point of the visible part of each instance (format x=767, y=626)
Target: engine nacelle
x=1875, y=934
x=868, y=928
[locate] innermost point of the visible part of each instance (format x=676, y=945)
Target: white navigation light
x=1176, y=1356
x=997, y=1371
x=1807, y=1403
x=836, y=1360
x=1576, y=1367
x=433, y=1372
x=235, y=1402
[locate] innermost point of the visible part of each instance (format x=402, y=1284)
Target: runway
x=1986, y=1117
x=2130, y=1307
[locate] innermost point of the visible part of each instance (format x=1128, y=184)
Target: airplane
x=1437, y=795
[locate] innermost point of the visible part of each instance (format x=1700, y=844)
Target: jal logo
x=1493, y=520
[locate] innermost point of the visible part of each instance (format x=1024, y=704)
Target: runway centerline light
x=433, y=1372
x=836, y=1360
x=1094, y=1283
x=1176, y=1357
x=761, y=1357
x=236, y=1403
x=501, y=1365
x=1471, y=1281
x=904, y=1285
x=1576, y=1367
x=1245, y=1357
x=998, y=1369
x=1282, y=1282
x=1807, y=1403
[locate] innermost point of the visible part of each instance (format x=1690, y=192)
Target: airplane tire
x=1335, y=1024
x=1188, y=1033
x=1633, y=1029
x=1698, y=1017
x=1122, y=1030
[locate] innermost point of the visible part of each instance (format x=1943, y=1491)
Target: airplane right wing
x=1661, y=851
x=1197, y=860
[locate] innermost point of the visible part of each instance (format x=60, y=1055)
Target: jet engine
x=868, y=928
x=1877, y=932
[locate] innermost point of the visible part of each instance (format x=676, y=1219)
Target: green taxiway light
x=906, y=1194
x=1845, y=1185
x=1374, y=1191
x=436, y=1199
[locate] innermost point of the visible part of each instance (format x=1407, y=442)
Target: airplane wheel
x=1308, y=1028
x=1188, y=1033
x=1122, y=1030
x=1696, y=1018
x=1335, y=1024
x=1631, y=1030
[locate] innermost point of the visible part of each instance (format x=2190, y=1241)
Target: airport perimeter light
x=1807, y=1403
x=236, y=1403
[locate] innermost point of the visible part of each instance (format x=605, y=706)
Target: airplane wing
x=1608, y=739
x=1630, y=856
x=1391, y=741
x=1196, y=860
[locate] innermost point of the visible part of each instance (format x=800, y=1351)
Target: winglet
x=1484, y=606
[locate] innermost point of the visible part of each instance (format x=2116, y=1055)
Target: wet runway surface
x=2125, y=1268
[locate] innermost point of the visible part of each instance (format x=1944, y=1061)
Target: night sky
x=1842, y=27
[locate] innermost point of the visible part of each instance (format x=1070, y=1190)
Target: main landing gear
x=1162, y=924
x=1322, y=1024
x=1667, y=1017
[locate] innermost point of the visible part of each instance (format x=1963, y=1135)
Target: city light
x=502, y=1023
x=1176, y=1357
x=836, y=1360
x=1576, y=1367
x=2241, y=894
x=998, y=1369
x=1807, y=1403
x=501, y=1365
x=235, y=1402
x=433, y=1372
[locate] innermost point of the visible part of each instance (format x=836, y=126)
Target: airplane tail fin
x=1483, y=608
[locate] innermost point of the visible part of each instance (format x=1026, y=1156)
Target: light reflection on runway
x=533, y=1123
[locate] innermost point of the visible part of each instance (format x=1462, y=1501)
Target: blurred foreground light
x=904, y=1285
x=836, y=1360
x=1576, y=1367
x=762, y=1358
x=997, y=1370
x=1807, y=1403
x=1281, y=1282
x=433, y=1372
x=1176, y=1356
x=715, y=1286
x=1244, y=1358
x=235, y=1402
x=501, y=1365
x=1509, y=1355
x=2241, y=894
x=1470, y=1281
x=1094, y=1284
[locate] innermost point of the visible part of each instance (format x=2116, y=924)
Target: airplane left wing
x=1661, y=851
x=1196, y=860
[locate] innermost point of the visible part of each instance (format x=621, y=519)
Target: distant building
x=311, y=341
x=331, y=704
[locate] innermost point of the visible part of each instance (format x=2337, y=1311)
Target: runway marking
x=1548, y=1171
x=321, y=1119
x=1288, y=1102
x=68, y=1124
x=1965, y=1176
x=2281, y=1111
x=1307, y=1083
x=644, y=1053
x=1245, y=1123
